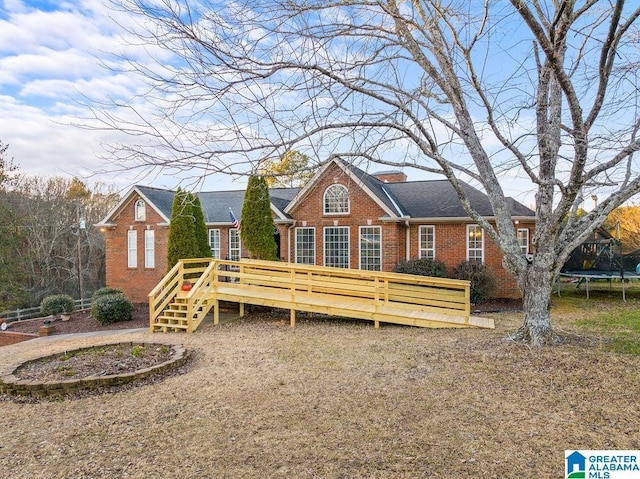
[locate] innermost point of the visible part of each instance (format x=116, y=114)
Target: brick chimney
x=390, y=176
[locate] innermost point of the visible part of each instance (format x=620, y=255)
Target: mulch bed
x=102, y=361
x=82, y=322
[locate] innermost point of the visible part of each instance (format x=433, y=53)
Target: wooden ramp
x=376, y=296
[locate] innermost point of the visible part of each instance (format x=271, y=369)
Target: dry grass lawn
x=335, y=399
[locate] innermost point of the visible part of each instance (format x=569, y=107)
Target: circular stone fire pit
x=90, y=368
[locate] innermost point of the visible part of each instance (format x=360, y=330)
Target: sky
x=50, y=61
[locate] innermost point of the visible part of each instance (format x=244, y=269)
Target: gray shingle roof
x=378, y=188
x=438, y=199
x=416, y=199
x=160, y=198
x=215, y=204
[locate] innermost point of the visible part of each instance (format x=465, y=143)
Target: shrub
x=104, y=291
x=56, y=304
x=422, y=267
x=483, y=283
x=112, y=308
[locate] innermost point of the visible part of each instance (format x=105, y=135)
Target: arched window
x=336, y=200
x=140, y=211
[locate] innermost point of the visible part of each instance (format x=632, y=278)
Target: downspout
x=407, y=241
x=293, y=225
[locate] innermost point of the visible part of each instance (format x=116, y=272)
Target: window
x=234, y=244
x=336, y=246
x=132, y=249
x=305, y=245
x=214, y=243
x=427, y=242
x=149, y=249
x=475, y=243
x=336, y=200
x=523, y=239
x=370, y=248
x=140, y=211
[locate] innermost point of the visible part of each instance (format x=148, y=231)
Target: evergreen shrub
x=422, y=267
x=104, y=291
x=57, y=304
x=483, y=283
x=112, y=308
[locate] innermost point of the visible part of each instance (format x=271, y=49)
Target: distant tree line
x=47, y=238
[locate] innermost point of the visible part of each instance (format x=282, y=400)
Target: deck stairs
x=175, y=316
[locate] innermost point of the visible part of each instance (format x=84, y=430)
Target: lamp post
x=76, y=230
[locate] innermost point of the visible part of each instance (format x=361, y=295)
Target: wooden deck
x=370, y=295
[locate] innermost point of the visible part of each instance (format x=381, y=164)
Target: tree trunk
x=537, y=290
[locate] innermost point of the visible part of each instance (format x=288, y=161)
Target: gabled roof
x=215, y=204
x=369, y=184
x=159, y=199
x=410, y=200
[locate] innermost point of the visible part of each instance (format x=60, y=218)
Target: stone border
x=12, y=385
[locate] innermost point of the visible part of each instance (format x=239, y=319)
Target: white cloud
x=49, y=65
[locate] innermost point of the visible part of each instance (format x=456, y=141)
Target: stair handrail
x=200, y=291
x=163, y=291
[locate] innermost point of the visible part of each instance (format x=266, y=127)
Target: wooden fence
x=30, y=313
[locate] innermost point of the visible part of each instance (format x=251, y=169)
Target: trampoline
x=588, y=275
x=600, y=258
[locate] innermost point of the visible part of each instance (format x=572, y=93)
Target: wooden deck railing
x=377, y=296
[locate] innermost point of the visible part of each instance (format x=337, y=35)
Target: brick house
x=342, y=217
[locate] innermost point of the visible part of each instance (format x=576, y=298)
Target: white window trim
x=149, y=249
x=239, y=248
x=324, y=244
x=379, y=228
x=136, y=210
x=523, y=230
x=469, y=228
x=295, y=240
x=324, y=201
x=219, y=248
x=420, y=248
x=132, y=249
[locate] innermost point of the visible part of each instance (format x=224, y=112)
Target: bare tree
x=54, y=247
x=539, y=90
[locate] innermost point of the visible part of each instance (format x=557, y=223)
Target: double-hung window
x=475, y=243
x=235, y=247
x=523, y=239
x=370, y=248
x=305, y=245
x=132, y=249
x=336, y=246
x=214, y=243
x=427, y=242
x=149, y=249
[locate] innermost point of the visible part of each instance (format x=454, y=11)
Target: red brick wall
x=451, y=248
x=135, y=282
x=450, y=239
x=363, y=212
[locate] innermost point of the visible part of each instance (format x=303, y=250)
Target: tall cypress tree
x=201, y=234
x=257, y=221
x=182, y=241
